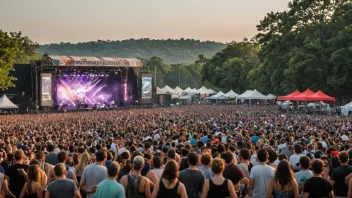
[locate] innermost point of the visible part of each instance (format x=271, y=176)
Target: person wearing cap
x=339, y=174
x=134, y=183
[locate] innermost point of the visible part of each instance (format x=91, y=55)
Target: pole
x=179, y=77
x=36, y=88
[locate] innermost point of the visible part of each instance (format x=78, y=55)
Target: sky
x=56, y=21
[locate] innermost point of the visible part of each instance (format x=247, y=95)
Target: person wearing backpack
x=136, y=185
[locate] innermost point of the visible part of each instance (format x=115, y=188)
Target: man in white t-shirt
x=260, y=175
x=294, y=159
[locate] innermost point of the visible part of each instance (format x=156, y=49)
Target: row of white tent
x=179, y=91
x=247, y=95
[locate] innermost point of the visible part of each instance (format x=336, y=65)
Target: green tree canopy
x=14, y=48
x=172, y=51
x=307, y=46
x=8, y=49
x=229, y=68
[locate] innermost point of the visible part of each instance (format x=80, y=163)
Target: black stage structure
x=71, y=83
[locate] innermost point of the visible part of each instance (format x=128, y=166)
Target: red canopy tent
x=303, y=96
x=319, y=95
x=287, y=97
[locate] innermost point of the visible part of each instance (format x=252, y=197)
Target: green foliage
x=14, y=48
x=8, y=49
x=27, y=47
x=182, y=75
x=171, y=51
x=308, y=46
x=229, y=68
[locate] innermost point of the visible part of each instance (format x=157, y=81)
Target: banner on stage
x=94, y=61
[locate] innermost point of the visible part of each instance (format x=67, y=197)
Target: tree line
x=309, y=45
x=172, y=51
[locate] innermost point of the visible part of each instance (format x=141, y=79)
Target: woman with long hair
x=283, y=184
x=125, y=170
x=218, y=186
x=75, y=162
x=32, y=188
x=84, y=161
x=328, y=165
x=168, y=185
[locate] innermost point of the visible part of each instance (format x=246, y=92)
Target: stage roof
x=86, y=61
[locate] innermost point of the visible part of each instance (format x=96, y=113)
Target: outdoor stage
x=75, y=83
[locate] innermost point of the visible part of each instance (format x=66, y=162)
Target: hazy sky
x=74, y=21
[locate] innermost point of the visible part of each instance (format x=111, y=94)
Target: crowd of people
x=187, y=151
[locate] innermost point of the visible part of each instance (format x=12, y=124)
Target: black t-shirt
x=184, y=164
x=17, y=181
x=233, y=173
x=317, y=187
x=146, y=169
x=338, y=175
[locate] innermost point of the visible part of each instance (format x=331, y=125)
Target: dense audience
x=190, y=151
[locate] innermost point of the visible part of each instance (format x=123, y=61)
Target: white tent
x=168, y=89
x=245, y=94
x=195, y=90
x=216, y=96
x=255, y=95
x=160, y=91
x=271, y=96
x=222, y=97
x=5, y=103
x=203, y=90
x=189, y=90
x=346, y=109
x=231, y=94
x=211, y=91
x=178, y=90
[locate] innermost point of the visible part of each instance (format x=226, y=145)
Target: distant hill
x=172, y=51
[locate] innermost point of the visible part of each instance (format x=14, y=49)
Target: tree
x=157, y=64
x=171, y=51
x=306, y=46
x=8, y=50
x=27, y=48
x=229, y=68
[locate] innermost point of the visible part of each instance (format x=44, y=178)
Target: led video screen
x=147, y=88
x=46, y=95
x=92, y=89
